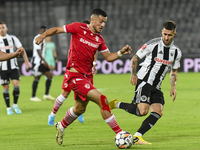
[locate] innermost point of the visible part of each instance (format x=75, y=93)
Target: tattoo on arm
x=134, y=61
x=173, y=77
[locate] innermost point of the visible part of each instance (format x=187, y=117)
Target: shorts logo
x=87, y=86
x=143, y=98
x=66, y=85
x=74, y=81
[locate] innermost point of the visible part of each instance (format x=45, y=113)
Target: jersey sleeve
x=71, y=28
x=103, y=46
x=176, y=63
x=143, y=51
x=17, y=43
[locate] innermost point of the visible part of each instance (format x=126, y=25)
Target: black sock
x=16, y=94
x=48, y=84
x=6, y=97
x=34, y=87
x=149, y=122
x=130, y=107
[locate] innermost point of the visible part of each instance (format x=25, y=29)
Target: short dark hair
x=2, y=22
x=86, y=21
x=98, y=12
x=43, y=27
x=170, y=25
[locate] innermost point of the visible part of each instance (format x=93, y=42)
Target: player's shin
x=131, y=108
x=149, y=122
x=68, y=119
x=59, y=101
x=108, y=116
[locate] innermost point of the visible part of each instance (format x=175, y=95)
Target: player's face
x=3, y=29
x=98, y=23
x=167, y=36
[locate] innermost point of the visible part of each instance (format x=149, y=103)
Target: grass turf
x=178, y=128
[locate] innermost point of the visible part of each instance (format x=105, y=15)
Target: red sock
x=59, y=101
x=111, y=121
x=69, y=118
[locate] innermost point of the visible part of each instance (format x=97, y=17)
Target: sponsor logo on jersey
x=88, y=43
x=6, y=47
x=162, y=61
x=144, y=46
x=87, y=86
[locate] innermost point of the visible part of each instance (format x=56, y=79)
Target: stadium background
x=130, y=22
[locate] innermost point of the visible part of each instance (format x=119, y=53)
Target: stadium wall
x=120, y=66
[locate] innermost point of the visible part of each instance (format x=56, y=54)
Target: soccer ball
x=123, y=140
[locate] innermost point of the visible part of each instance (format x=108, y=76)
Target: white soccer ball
x=123, y=140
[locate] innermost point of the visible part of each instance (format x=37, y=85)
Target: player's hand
x=133, y=79
x=173, y=93
x=125, y=50
x=20, y=52
x=45, y=64
x=39, y=39
x=94, y=70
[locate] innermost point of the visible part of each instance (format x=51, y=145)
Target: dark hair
x=86, y=21
x=2, y=22
x=170, y=25
x=43, y=27
x=98, y=12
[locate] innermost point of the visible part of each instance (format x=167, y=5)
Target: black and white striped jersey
x=8, y=44
x=36, y=58
x=159, y=58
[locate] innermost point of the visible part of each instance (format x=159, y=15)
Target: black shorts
x=10, y=74
x=39, y=69
x=145, y=93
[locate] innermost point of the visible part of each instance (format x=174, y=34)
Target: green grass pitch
x=178, y=128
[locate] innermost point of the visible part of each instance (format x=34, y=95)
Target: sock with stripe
x=59, y=101
x=111, y=121
x=149, y=122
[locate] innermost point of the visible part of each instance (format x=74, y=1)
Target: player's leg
x=34, y=88
x=71, y=115
x=15, y=77
x=16, y=92
x=101, y=100
x=156, y=108
x=59, y=101
x=47, y=96
x=5, y=83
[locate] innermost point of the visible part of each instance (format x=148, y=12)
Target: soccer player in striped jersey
x=40, y=67
x=9, y=68
x=160, y=54
x=85, y=41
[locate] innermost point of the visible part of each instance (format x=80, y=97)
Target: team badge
x=171, y=54
x=87, y=86
x=143, y=98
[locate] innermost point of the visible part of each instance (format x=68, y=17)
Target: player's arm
x=94, y=63
x=173, y=80
x=55, y=55
x=134, y=62
x=113, y=56
x=49, y=32
x=25, y=58
x=5, y=56
x=40, y=55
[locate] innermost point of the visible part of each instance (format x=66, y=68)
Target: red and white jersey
x=83, y=47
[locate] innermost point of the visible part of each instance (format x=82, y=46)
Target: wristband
x=119, y=54
x=94, y=63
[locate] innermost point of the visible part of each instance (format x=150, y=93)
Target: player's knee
x=143, y=112
x=104, y=103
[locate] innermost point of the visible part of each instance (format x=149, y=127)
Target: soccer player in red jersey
x=85, y=41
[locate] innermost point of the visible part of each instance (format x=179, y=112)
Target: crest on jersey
x=87, y=86
x=84, y=32
x=171, y=54
x=97, y=38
